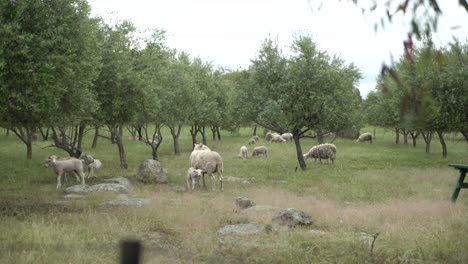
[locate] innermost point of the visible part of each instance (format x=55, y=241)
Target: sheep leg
x=59, y=184
x=203, y=180
x=220, y=178
x=188, y=185
x=82, y=175
x=212, y=182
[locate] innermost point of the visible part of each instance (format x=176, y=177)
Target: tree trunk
x=464, y=133
x=414, y=135
x=427, y=136
x=95, y=138
x=254, y=133
x=203, y=133
x=79, y=141
x=442, y=142
x=45, y=135
x=213, y=131
x=397, y=135
x=405, y=136
x=300, y=157
x=119, y=141
x=175, y=138
x=25, y=136
x=218, y=133
x=140, y=134
x=193, y=133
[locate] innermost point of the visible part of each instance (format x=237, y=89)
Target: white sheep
x=193, y=178
x=277, y=138
x=268, y=136
x=260, y=150
x=287, y=136
x=251, y=141
x=365, y=137
x=209, y=162
x=60, y=167
x=90, y=164
x=244, y=152
x=256, y=138
x=323, y=151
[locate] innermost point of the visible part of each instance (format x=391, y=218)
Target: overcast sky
x=230, y=32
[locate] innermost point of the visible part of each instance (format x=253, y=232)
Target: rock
x=243, y=229
x=291, y=217
x=150, y=171
x=73, y=196
x=244, y=203
x=317, y=232
x=102, y=187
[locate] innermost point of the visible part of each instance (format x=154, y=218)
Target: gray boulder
x=119, y=185
x=150, y=171
x=126, y=201
x=291, y=217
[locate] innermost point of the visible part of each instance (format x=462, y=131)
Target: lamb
x=90, y=164
x=193, y=178
x=261, y=150
x=322, y=151
x=365, y=137
x=63, y=166
x=251, y=141
x=277, y=138
x=244, y=152
x=209, y=162
x=287, y=136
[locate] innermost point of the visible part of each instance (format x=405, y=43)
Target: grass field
x=397, y=191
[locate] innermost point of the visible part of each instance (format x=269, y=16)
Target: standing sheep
x=209, y=162
x=322, y=151
x=287, y=136
x=365, y=137
x=193, y=178
x=63, y=166
x=244, y=152
x=261, y=150
x=277, y=138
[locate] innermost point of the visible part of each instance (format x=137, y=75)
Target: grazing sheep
x=244, y=152
x=256, y=138
x=277, y=138
x=287, y=136
x=193, y=178
x=261, y=150
x=208, y=161
x=251, y=141
x=268, y=136
x=365, y=137
x=62, y=166
x=323, y=151
x=90, y=164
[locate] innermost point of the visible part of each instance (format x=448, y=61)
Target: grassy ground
x=397, y=191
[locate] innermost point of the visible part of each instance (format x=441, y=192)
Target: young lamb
x=251, y=141
x=90, y=164
x=322, y=151
x=244, y=152
x=209, y=162
x=261, y=150
x=63, y=166
x=193, y=178
x=277, y=138
x=287, y=136
x=365, y=137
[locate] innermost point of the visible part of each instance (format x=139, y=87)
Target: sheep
x=322, y=151
x=277, y=138
x=244, y=152
x=90, y=164
x=268, y=136
x=193, y=178
x=260, y=150
x=209, y=162
x=287, y=136
x=62, y=166
x=365, y=137
x=251, y=141
x=256, y=138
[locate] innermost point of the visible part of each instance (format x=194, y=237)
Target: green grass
x=397, y=190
